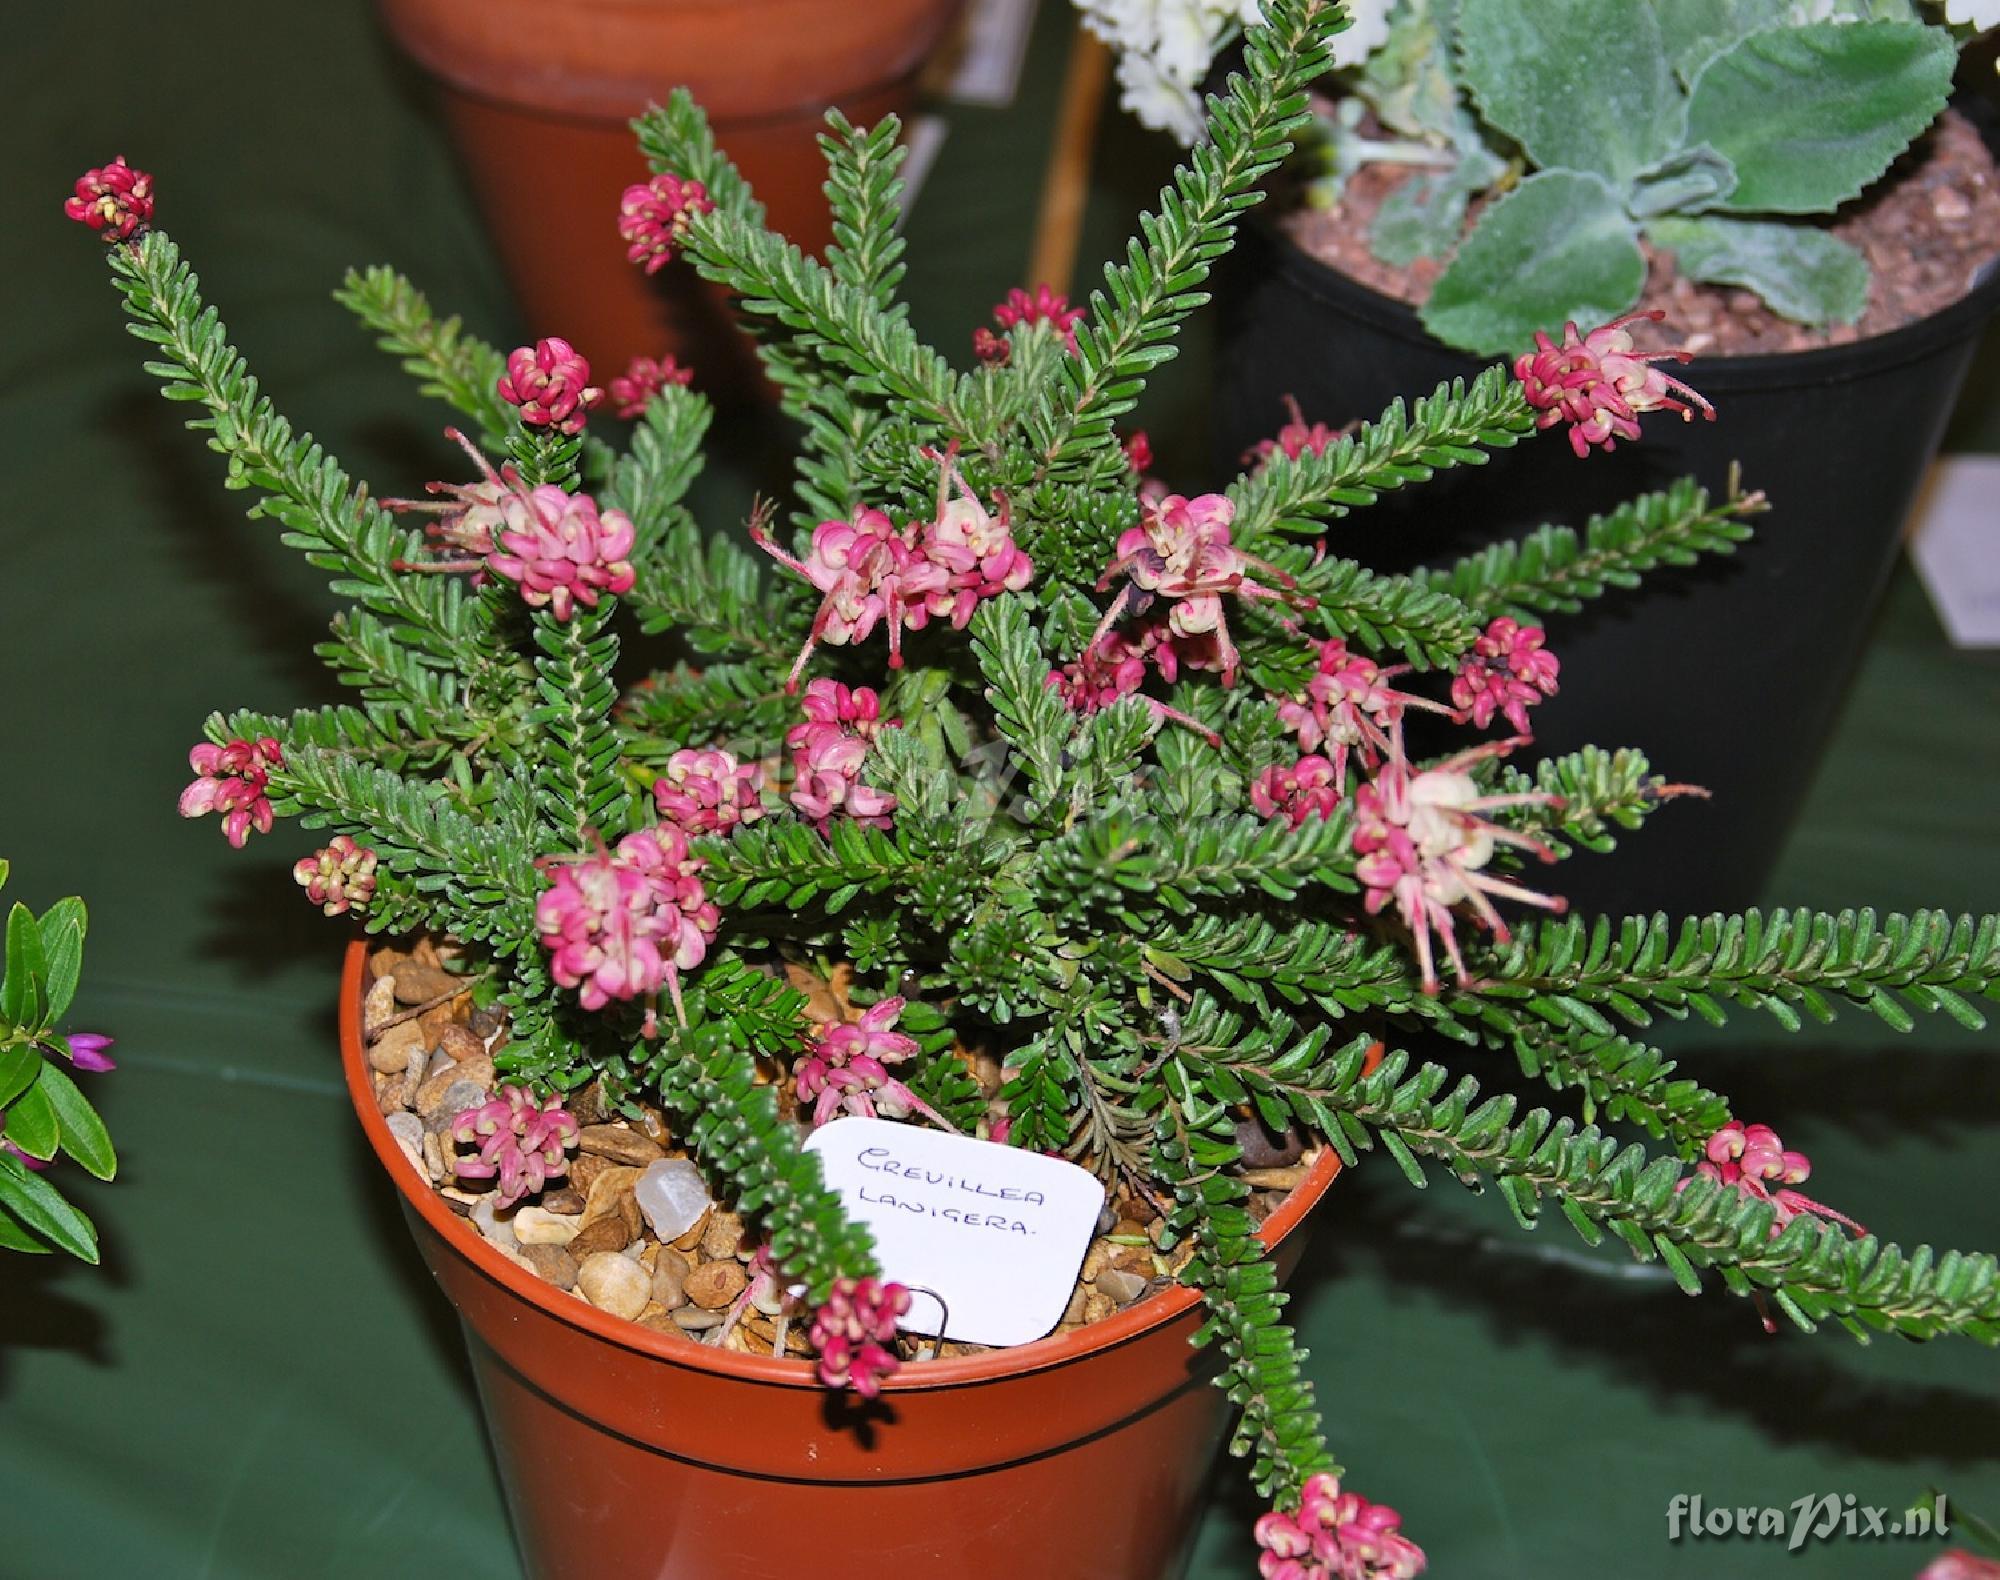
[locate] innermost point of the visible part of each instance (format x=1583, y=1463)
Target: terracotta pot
x=537, y=94
x=1729, y=673
x=627, y=1452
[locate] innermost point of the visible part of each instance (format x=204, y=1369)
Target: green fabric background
x=262, y=1383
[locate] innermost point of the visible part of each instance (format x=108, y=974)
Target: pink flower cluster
x=1298, y=437
x=1959, y=1564
x=624, y=923
x=549, y=382
x=521, y=1142
x=1310, y=787
x=232, y=781
x=1507, y=672
x=557, y=547
x=644, y=377
x=338, y=877
x=828, y=751
x=561, y=551
x=1043, y=306
x=1599, y=385
x=1349, y=706
x=1336, y=1536
x=1423, y=847
x=872, y=571
x=653, y=217
x=853, y=1330
x=114, y=200
x=708, y=791
x=468, y=515
x=1181, y=550
x=1753, y=1161
x=846, y=1069
x=1114, y=663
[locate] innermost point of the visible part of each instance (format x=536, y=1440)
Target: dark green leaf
x=31, y=1122
x=19, y=1064
x=20, y=990
x=83, y=1134
x=62, y=927
x=40, y=1206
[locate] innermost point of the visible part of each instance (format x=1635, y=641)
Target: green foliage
x=1552, y=570
x=1098, y=881
x=1686, y=122
x=457, y=368
x=43, y=1114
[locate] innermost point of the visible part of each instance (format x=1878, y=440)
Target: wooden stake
x=1066, y=183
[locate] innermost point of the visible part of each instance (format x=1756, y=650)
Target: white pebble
x=673, y=1196
x=614, y=1283
x=539, y=1226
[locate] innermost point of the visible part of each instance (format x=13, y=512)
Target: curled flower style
x=653, y=217
x=1349, y=706
x=522, y=1143
x=708, y=791
x=562, y=551
x=1181, y=550
x=549, y=383
x=114, y=200
x=1298, y=437
x=469, y=514
x=1113, y=665
x=1424, y=846
x=1598, y=384
x=232, y=780
x=971, y=554
x=870, y=572
x=1752, y=1161
x=338, y=877
x=846, y=1069
x=633, y=390
x=1336, y=1536
x=1507, y=672
x=853, y=1330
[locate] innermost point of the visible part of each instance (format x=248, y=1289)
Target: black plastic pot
x=1728, y=674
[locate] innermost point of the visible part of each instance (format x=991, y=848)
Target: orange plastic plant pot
x=629, y=1453
x=538, y=95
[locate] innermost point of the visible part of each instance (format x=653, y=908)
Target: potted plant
x=1492, y=167
x=1009, y=794
x=43, y=1113
x=538, y=97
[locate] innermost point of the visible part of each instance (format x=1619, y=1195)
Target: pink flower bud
x=232, y=781
x=549, y=382
x=338, y=877
x=653, y=217
x=644, y=377
x=114, y=200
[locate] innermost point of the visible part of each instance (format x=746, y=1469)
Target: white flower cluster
x=1981, y=14
x=1165, y=48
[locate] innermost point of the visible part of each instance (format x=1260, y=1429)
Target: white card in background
x=992, y=45
x=997, y=1232
x=1955, y=541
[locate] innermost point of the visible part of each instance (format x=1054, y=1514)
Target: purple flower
x=86, y=1051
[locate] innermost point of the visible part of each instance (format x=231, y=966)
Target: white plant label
x=1955, y=540
x=987, y=1238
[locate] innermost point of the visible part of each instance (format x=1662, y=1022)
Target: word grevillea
x=997, y=786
